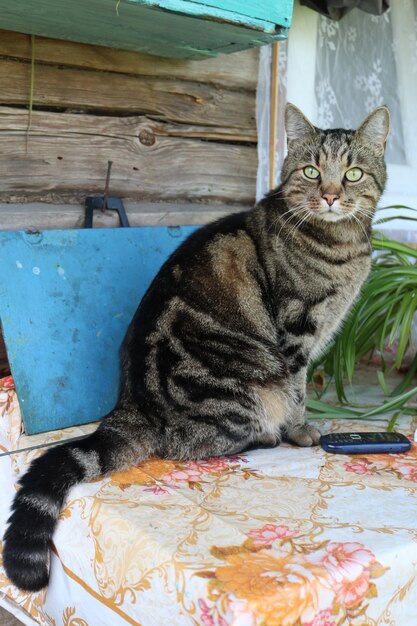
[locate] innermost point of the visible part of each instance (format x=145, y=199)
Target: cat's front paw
x=304, y=435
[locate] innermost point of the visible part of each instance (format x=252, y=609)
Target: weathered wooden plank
x=179, y=101
x=66, y=155
x=179, y=29
x=15, y=118
x=42, y=216
x=237, y=71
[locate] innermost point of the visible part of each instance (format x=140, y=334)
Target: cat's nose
x=330, y=198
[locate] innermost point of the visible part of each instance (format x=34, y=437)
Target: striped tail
x=36, y=507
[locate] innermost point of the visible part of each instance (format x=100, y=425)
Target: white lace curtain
x=356, y=72
x=337, y=72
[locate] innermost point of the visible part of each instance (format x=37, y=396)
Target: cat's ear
x=375, y=128
x=297, y=125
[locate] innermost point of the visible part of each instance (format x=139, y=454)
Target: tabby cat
x=216, y=356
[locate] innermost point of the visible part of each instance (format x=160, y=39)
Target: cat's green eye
x=354, y=174
x=311, y=172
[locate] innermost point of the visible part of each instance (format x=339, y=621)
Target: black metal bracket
x=112, y=203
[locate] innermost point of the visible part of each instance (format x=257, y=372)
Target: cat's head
x=334, y=174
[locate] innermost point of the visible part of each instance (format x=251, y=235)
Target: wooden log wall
x=178, y=132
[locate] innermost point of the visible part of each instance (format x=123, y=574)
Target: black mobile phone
x=364, y=443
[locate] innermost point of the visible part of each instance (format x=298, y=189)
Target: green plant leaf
x=393, y=421
x=393, y=405
x=383, y=382
x=406, y=381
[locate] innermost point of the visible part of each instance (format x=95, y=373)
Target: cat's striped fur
x=215, y=359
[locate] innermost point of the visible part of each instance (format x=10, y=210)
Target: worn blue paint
x=275, y=11
x=264, y=15
x=182, y=29
x=66, y=300
x=256, y=13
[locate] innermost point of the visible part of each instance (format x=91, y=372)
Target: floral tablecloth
x=277, y=537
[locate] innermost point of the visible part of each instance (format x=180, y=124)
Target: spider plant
x=383, y=315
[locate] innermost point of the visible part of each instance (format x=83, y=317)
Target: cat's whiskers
x=368, y=211
x=293, y=211
x=367, y=214
x=279, y=217
x=285, y=222
x=274, y=194
x=295, y=208
x=362, y=227
x=306, y=214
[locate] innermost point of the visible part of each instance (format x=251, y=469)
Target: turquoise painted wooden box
x=183, y=29
x=66, y=300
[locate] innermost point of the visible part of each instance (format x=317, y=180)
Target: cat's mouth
x=331, y=213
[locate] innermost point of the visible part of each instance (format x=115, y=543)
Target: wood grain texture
x=237, y=71
x=176, y=131
x=66, y=156
x=179, y=101
x=43, y=216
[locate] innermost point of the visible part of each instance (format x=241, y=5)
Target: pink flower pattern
x=321, y=584
x=7, y=382
x=269, y=533
x=351, y=592
x=188, y=474
x=346, y=561
x=192, y=473
x=205, y=613
x=322, y=619
x=408, y=472
x=359, y=467
x=210, y=616
x=402, y=466
x=6, y=394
